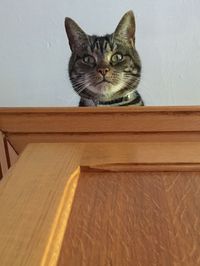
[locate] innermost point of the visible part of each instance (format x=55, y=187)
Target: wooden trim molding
x=4, y=163
x=107, y=124
x=105, y=119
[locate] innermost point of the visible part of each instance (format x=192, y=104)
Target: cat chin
x=101, y=89
x=105, y=92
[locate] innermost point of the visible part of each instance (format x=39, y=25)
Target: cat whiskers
x=79, y=86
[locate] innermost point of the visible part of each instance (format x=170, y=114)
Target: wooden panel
x=37, y=194
x=4, y=164
x=143, y=167
x=118, y=124
x=1, y=173
x=181, y=156
x=12, y=153
x=20, y=140
x=134, y=219
x=101, y=154
x=35, y=202
x=90, y=119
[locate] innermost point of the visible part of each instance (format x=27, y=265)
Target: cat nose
x=103, y=71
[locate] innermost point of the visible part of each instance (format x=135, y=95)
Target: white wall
x=34, y=49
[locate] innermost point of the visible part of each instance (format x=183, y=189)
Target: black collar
x=131, y=98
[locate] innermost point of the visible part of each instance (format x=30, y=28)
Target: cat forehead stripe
x=101, y=43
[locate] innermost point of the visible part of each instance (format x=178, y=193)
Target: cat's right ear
x=76, y=36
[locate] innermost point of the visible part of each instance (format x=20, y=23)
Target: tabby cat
x=105, y=71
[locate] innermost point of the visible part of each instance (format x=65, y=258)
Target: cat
x=105, y=71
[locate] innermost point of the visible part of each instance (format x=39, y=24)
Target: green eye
x=88, y=59
x=117, y=58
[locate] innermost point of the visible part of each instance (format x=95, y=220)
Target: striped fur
x=105, y=70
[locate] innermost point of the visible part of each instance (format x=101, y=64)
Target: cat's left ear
x=126, y=28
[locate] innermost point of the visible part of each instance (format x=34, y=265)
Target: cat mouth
x=103, y=81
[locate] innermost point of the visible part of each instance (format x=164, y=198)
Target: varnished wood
x=177, y=153
x=120, y=216
x=118, y=119
x=119, y=124
x=1, y=173
x=8, y=156
x=4, y=164
x=35, y=202
x=13, y=155
x=20, y=140
x=98, y=154
x=137, y=197
x=134, y=219
x=148, y=167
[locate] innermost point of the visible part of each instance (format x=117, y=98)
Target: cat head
x=104, y=68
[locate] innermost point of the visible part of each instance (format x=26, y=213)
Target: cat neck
x=132, y=98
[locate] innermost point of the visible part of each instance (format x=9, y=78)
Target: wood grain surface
x=20, y=140
x=35, y=202
x=8, y=155
x=129, y=216
x=105, y=119
x=118, y=124
x=98, y=154
x=134, y=219
x=12, y=154
x=4, y=164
